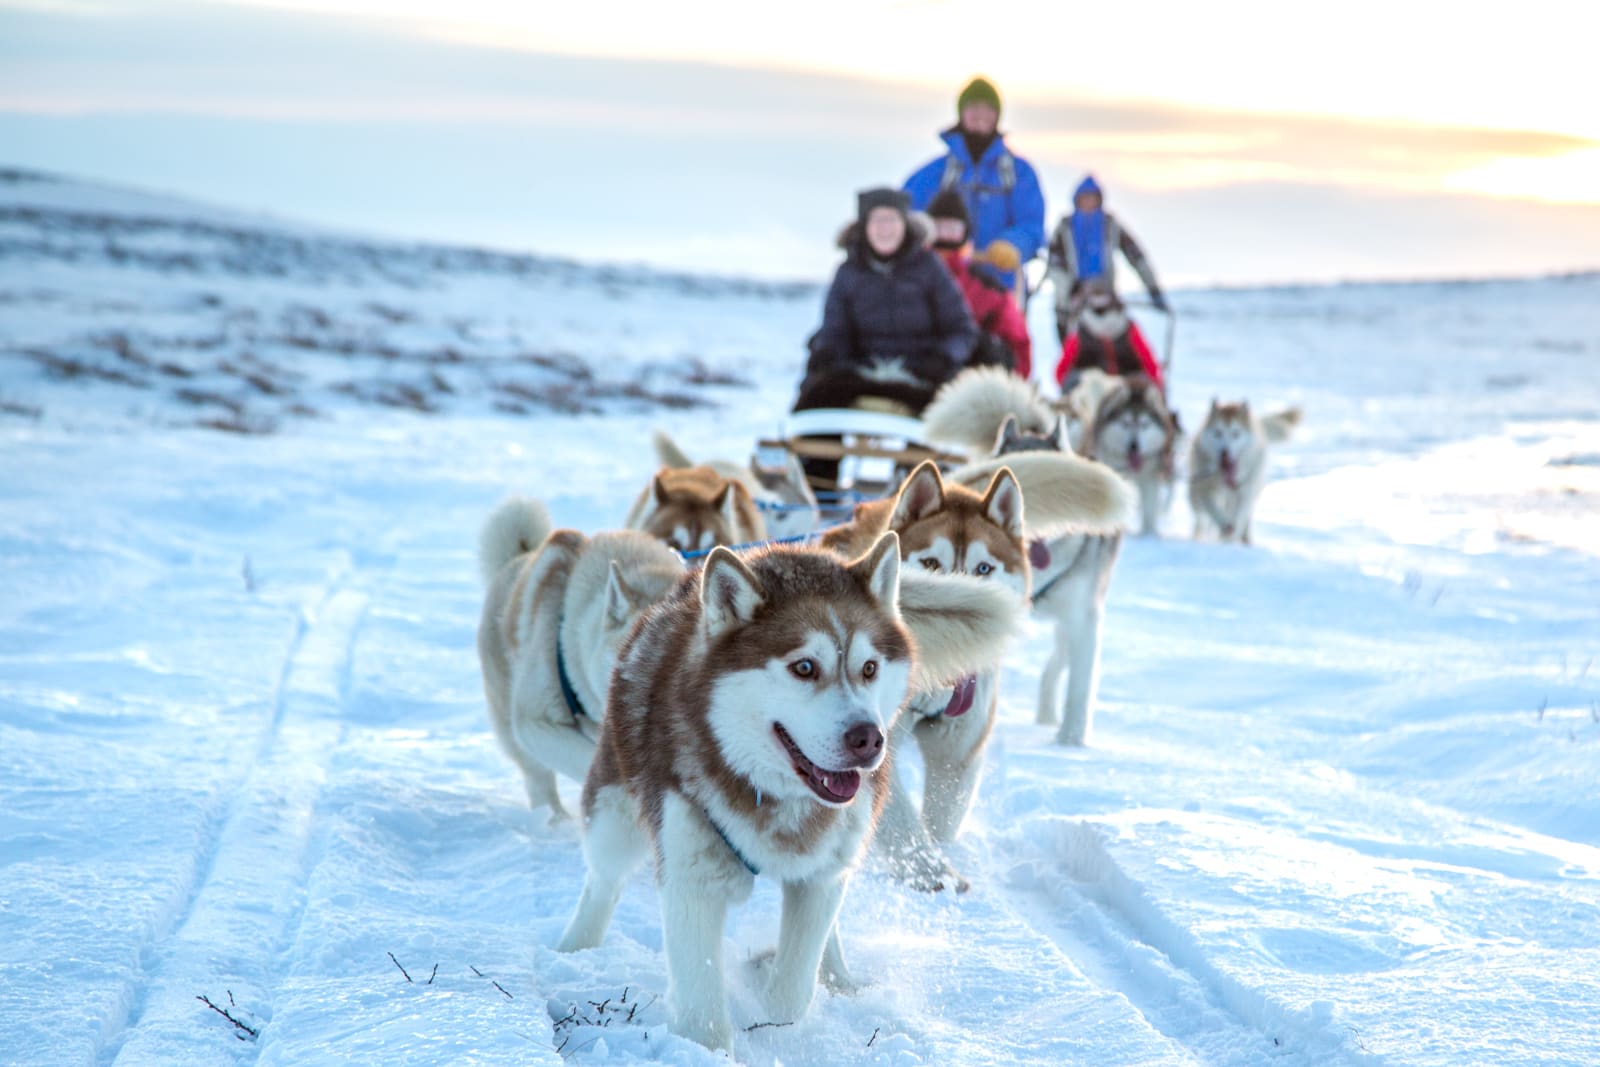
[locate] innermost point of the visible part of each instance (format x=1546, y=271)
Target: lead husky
x=1228, y=466
x=557, y=607
x=784, y=497
x=1071, y=569
x=1135, y=434
x=745, y=734
x=694, y=509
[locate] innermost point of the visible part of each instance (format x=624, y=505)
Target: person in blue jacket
x=1001, y=189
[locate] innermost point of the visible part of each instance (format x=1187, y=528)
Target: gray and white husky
x=1228, y=466
x=745, y=736
x=1136, y=434
x=556, y=609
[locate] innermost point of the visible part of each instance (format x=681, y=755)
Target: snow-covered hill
x=1343, y=806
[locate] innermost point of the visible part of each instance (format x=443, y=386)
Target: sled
x=875, y=450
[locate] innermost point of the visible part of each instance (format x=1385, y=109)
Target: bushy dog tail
x=961, y=625
x=1279, y=425
x=516, y=528
x=1061, y=493
x=668, y=454
x=970, y=409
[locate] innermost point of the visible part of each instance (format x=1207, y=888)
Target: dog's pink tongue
x=1038, y=554
x=840, y=785
x=1230, y=471
x=962, y=696
x=1135, y=459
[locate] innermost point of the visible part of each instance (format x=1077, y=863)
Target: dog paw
x=928, y=871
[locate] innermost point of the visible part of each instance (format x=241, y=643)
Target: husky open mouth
x=1135, y=459
x=834, y=787
x=1230, y=470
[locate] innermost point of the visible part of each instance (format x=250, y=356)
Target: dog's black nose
x=864, y=740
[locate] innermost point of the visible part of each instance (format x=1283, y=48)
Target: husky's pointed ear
x=879, y=569
x=1008, y=435
x=727, y=503
x=619, y=599
x=658, y=489
x=729, y=592
x=1215, y=404
x=1002, y=502
x=1060, y=437
x=921, y=495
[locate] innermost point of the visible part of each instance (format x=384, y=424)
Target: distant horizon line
x=11, y=174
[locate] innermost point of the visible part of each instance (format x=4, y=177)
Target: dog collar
x=568, y=693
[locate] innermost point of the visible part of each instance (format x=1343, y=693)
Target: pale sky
x=1340, y=140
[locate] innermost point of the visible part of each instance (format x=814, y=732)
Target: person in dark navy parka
x=895, y=326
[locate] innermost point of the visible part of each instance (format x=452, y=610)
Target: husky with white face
x=746, y=735
x=1228, y=466
x=782, y=494
x=1135, y=434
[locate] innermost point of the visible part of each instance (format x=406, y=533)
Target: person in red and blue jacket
x=1001, y=189
x=999, y=319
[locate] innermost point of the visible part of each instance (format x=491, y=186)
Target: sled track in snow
x=1083, y=901
x=244, y=903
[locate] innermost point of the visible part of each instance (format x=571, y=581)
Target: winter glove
x=1001, y=255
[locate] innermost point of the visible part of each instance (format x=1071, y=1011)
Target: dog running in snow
x=1137, y=435
x=556, y=609
x=745, y=734
x=1228, y=466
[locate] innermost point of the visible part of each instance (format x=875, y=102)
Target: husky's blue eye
x=983, y=570
x=803, y=668
x=869, y=669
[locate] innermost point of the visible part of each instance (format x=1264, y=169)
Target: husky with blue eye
x=746, y=736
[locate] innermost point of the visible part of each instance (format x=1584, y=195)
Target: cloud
x=348, y=122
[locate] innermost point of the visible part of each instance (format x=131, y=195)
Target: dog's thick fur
x=746, y=732
x=1071, y=569
x=785, y=498
x=1228, y=466
x=558, y=599
x=1135, y=434
x=969, y=408
x=696, y=509
x=951, y=529
x=1071, y=575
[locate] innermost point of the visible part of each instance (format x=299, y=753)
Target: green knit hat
x=978, y=91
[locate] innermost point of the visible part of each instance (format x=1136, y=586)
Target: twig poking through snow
x=432, y=976
x=758, y=1026
x=252, y=1031
x=1543, y=704
x=874, y=1036
x=402, y=968
x=502, y=989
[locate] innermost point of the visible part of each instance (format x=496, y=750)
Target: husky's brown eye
x=930, y=564
x=869, y=669
x=803, y=668
x=984, y=569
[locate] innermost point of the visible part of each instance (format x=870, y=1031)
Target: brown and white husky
x=556, y=609
x=1136, y=434
x=1228, y=466
x=695, y=509
x=784, y=497
x=746, y=734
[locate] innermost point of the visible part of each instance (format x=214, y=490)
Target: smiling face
x=813, y=677
x=979, y=119
x=886, y=231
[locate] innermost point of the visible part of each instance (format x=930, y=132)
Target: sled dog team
x=734, y=713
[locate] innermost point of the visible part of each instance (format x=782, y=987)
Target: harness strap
x=1005, y=164
x=701, y=553
x=1041, y=593
x=568, y=693
x=740, y=856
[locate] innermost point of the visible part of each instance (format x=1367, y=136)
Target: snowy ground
x=1343, y=804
